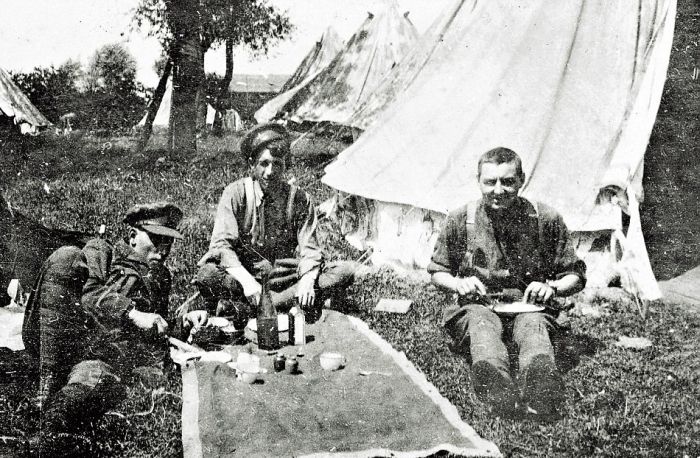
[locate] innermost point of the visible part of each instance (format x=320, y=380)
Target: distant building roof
x=257, y=83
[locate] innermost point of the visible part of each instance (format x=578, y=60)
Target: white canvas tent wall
x=318, y=58
x=162, y=119
x=336, y=92
x=15, y=105
x=573, y=87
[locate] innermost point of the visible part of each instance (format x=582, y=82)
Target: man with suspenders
x=504, y=243
x=264, y=226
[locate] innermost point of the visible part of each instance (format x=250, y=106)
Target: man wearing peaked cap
x=265, y=227
x=96, y=315
x=160, y=218
x=268, y=135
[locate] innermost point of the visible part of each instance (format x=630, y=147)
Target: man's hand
x=306, y=295
x=262, y=268
x=146, y=321
x=196, y=318
x=252, y=290
x=538, y=293
x=469, y=285
x=210, y=256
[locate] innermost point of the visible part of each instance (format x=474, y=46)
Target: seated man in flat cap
x=265, y=226
x=97, y=314
x=506, y=244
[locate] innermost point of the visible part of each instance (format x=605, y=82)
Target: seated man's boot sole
x=494, y=388
x=543, y=390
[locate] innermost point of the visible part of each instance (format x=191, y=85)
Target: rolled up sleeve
x=446, y=250
x=565, y=259
x=310, y=255
x=226, y=233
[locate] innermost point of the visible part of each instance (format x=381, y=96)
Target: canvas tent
x=16, y=106
x=231, y=122
x=162, y=119
x=320, y=55
x=334, y=94
x=573, y=87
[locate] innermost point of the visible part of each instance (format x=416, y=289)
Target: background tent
x=335, y=93
x=322, y=53
x=16, y=106
x=572, y=86
x=162, y=120
x=403, y=73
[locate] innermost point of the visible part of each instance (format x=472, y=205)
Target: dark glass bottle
x=268, y=333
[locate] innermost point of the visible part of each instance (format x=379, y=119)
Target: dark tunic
x=62, y=329
x=532, y=244
x=282, y=226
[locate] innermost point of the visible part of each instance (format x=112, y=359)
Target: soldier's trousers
x=214, y=283
x=55, y=330
x=480, y=332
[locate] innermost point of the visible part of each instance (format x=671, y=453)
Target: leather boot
x=543, y=387
x=494, y=388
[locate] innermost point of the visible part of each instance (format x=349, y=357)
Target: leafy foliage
x=114, y=93
x=53, y=90
x=253, y=23
x=104, y=96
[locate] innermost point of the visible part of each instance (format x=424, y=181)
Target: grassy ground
x=619, y=402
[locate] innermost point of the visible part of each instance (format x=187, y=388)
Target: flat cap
x=263, y=136
x=159, y=218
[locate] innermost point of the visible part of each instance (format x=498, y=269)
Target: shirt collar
x=258, y=193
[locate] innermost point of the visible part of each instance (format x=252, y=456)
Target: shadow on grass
x=570, y=348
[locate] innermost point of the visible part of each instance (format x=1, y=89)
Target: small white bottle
x=297, y=326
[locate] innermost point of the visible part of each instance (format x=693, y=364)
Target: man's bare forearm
x=567, y=285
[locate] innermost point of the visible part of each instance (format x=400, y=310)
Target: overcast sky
x=45, y=32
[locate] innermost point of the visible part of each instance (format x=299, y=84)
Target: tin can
x=279, y=363
x=291, y=365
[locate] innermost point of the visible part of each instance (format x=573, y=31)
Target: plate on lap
x=517, y=307
x=282, y=323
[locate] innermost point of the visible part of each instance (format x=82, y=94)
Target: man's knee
x=482, y=319
x=211, y=280
x=337, y=274
x=529, y=325
x=93, y=373
x=473, y=323
x=91, y=390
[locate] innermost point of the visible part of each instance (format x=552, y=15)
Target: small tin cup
x=291, y=365
x=280, y=363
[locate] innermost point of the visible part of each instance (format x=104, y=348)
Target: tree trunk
x=201, y=102
x=188, y=74
x=154, y=106
x=224, y=91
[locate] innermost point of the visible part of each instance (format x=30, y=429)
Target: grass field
x=620, y=402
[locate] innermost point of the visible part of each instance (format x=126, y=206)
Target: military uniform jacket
x=118, y=282
x=250, y=226
x=532, y=245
